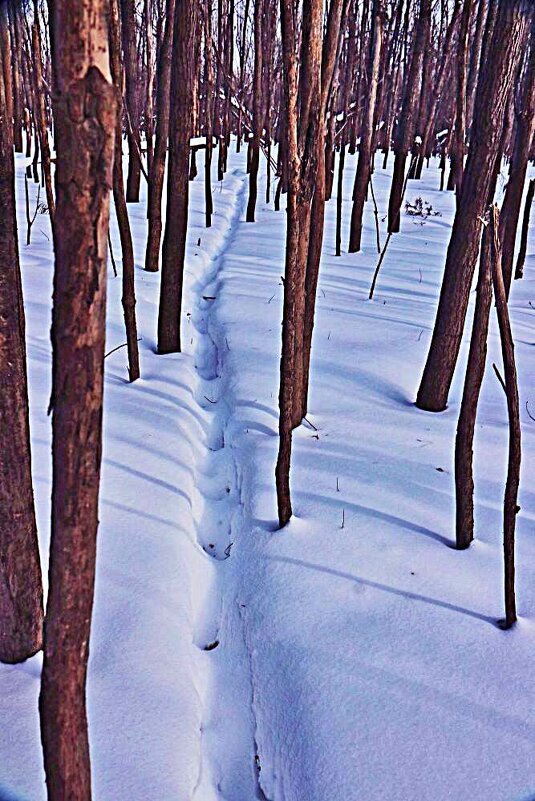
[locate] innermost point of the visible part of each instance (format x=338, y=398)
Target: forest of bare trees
x=174, y=85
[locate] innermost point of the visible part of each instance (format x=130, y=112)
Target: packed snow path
x=351, y=657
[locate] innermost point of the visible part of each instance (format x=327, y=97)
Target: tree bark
x=21, y=593
x=524, y=131
x=85, y=120
x=209, y=112
x=157, y=172
x=475, y=368
x=128, y=286
x=41, y=122
x=405, y=130
x=362, y=176
x=257, y=112
x=128, y=18
x=519, y=270
x=181, y=117
x=510, y=503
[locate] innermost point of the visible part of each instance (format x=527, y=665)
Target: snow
x=358, y=654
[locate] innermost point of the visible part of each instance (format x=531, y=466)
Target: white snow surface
x=359, y=657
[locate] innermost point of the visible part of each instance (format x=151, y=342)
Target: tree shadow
x=407, y=594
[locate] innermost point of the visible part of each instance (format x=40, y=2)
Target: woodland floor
x=357, y=656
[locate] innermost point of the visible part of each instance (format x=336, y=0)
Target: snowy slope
x=358, y=656
x=378, y=669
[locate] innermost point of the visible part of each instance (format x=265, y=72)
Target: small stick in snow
x=499, y=377
x=343, y=518
x=112, y=257
x=376, y=213
x=119, y=347
x=383, y=252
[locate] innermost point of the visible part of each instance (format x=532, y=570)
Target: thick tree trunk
x=492, y=96
x=21, y=593
x=85, y=122
x=157, y=172
x=181, y=118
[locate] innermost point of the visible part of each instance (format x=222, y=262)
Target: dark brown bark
x=21, y=593
x=41, y=121
x=475, y=58
x=492, y=95
x=405, y=129
x=84, y=106
x=287, y=364
x=157, y=173
x=127, y=250
x=519, y=270
x=132, y=97
x=183, y=73
x=439, y=84
x=16, y=55
x=209, y=113
x=5, y=55
x=149, y=104
x=524, y=131
x=362, y=177
x=510, y=503
x=258, y=116
x=339, y=200
x=460, y=106
x=475, y=368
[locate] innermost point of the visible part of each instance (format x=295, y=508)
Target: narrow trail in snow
x=228, y=760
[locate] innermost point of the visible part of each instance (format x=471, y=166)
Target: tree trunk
x=128, y=286
x=16, y=53
x=460, y=120
x=128, y=19
x=85, y=122
x=41, y=122
x=510, y=503
x=257, y=112
x=362, y=176
x=209, y=122
x=492, y=95
x=157, y=173
x=475, y=368
x=404, y=135
x=519, y=270
x=181, y=117
x=287, y=364
x=21, y=593
x=525, y=129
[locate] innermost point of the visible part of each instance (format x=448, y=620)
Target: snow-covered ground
x=358, y=657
